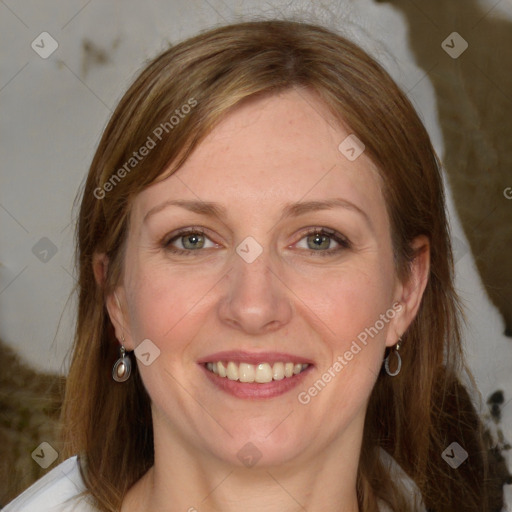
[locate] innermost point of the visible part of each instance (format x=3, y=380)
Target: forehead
x=280, y=148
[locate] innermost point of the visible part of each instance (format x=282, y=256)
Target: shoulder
x=399, y=476
x=57, y=491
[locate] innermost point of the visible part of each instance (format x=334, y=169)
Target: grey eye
x=192, y=241
x=318, y=241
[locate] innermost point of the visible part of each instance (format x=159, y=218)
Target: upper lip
x=242, y=356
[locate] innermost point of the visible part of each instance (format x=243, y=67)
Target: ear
x=99, y=267
x=114, y=301
x=410, y=292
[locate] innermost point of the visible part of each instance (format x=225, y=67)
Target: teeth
x=221, y=368
x=232, y=371
x=245, y=372
x=261, y=373
x=278, y=371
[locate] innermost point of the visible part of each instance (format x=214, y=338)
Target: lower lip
x=254, y=390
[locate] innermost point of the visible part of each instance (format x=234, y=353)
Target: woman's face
x=288, y=259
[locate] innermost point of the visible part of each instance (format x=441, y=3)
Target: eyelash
x=337, y=237
x=343, y=242
x=187, y=231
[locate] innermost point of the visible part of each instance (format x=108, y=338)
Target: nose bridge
x=252, y=278
x=255, y=299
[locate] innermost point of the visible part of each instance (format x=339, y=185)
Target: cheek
x=354, y=314
x=165, y=304
x=348, y=302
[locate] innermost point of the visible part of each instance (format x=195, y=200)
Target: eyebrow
x=212, y=209
x=296, y=209
x=200, y=207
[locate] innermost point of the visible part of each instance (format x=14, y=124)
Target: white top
x=57, y=491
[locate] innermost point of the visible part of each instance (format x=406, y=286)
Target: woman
x=267, y=319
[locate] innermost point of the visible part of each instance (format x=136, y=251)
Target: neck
x=184, y=479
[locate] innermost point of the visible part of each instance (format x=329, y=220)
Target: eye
x=187, y=241
x=321, y=241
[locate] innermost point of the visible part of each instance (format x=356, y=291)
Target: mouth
x=261, y=373
x=255, y=376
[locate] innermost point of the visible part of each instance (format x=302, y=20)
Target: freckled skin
x=264, y=155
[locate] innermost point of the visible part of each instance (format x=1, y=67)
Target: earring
x=122, y=367
x=398, y=360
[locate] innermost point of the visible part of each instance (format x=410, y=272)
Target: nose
x=255, y=299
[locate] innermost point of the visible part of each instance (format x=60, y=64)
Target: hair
x=413, y=416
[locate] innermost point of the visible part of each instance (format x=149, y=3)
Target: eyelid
x=324, y=231
x=175, y=235
x=343, y=242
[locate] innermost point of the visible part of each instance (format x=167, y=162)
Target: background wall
x=64, y=66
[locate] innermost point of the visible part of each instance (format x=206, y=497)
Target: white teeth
x=261, y=373
x=278, y=371
x=232, y=371
x=221, y=368
x=246, y=372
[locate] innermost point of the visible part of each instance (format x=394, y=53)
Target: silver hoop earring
x=398, y=360
x=122, y=367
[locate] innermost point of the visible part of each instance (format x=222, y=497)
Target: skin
x=264, y=155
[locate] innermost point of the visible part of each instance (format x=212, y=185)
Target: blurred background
x=65, y=65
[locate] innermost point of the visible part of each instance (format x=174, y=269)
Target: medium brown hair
x=413, y=416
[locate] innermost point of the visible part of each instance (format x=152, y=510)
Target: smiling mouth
x=261, y=373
